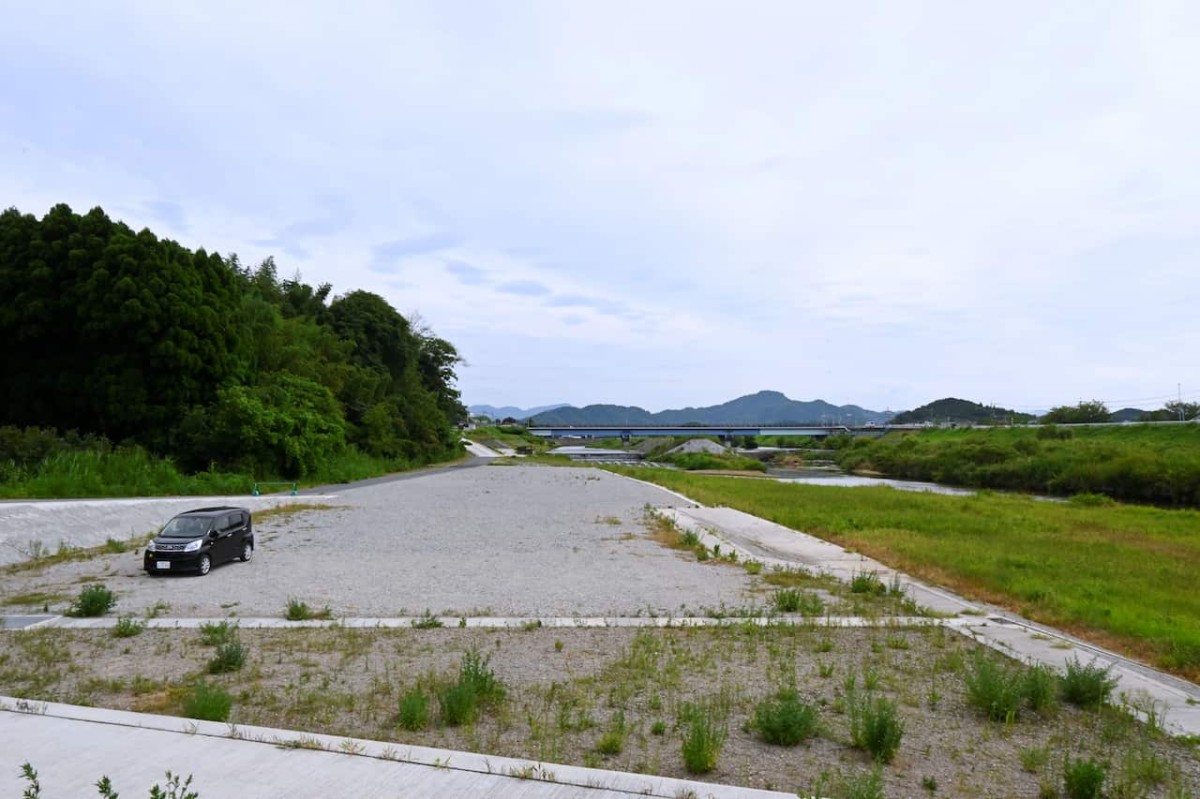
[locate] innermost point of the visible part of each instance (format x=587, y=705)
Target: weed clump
x=93, y=600
x=298, y=610
x=1087, y=686
x=784, y=720
x=127, y=627
x=477, y=686
x=613, y=739
x=207, y=703
x=867, y=583
x=1000, y=692
x=703, y=738
x=457, y=703
x=217, y=633
x=414, y=710
x=1083, y=779
x=795, y=600
x=875, y=726
x=230, y=656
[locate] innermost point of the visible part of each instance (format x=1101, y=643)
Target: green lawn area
x=1125, y=576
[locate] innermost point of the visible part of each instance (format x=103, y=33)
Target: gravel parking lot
x=493, y=540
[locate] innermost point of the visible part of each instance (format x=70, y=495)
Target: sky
x=664, y=204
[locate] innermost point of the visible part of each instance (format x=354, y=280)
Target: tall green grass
x=123, y=472
x=1124, y=575
x=134, y=472
x=1154, y=464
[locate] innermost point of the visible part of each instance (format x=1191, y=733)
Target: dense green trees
x=1083, y=413
x=122, y=335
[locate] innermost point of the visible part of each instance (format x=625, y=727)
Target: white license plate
x=163, y=564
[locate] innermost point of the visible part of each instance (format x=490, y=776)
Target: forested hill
x=960, y=410
x=120, y=334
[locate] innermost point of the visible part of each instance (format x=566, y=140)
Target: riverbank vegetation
x=1153, y=464
x=1121, y=575
x=133, y=360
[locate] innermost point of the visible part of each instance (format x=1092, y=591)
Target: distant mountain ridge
x=511, y=412
x=764, y=407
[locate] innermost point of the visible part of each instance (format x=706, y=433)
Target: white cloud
x=881, y=204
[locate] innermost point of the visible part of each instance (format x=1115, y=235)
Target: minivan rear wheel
x=205, y=564
x=247, y=551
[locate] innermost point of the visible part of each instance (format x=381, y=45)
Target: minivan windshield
x=184, y=527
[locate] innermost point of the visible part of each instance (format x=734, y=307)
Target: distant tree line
x=1094, y=411
x=139, y=340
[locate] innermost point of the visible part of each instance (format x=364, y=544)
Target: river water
x=836, y=478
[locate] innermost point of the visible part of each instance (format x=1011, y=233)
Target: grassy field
x=1155, y=464
x=1124, y=576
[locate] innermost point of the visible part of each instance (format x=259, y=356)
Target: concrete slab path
x=71, y=747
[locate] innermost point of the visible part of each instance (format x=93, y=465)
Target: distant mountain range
x=510, y=412
x=765, y=407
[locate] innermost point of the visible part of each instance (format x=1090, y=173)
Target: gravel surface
x=494, y=540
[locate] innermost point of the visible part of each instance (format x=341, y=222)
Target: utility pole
x=1179, y=393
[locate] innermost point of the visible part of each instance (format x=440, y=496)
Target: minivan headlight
x=193, y=546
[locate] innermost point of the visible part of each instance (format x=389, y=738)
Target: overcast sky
x=665, y=203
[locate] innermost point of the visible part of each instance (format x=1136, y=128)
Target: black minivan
x=199, y=539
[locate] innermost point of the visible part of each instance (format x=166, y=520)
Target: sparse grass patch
x=613, y=739
x=43, y=598
x=217, y=633
x=427, y=621
x=128, y=627
x=299, y=610
x=794, y=600
x=287, y=511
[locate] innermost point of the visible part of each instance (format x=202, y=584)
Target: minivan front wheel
x=205, y=564
x=247, y=551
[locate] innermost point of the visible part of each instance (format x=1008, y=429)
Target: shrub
x=414, y=710
x=1039, y=686
x=994, y=690
x=93, y=600
x=475, y=673
x=230, y=656
x=1083, y=779
x=128, y=627
x=876, y=727
x=1087, y=685
x=784, y=720
x=207, y=702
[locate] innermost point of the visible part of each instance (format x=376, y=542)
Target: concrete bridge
x=725, y=432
